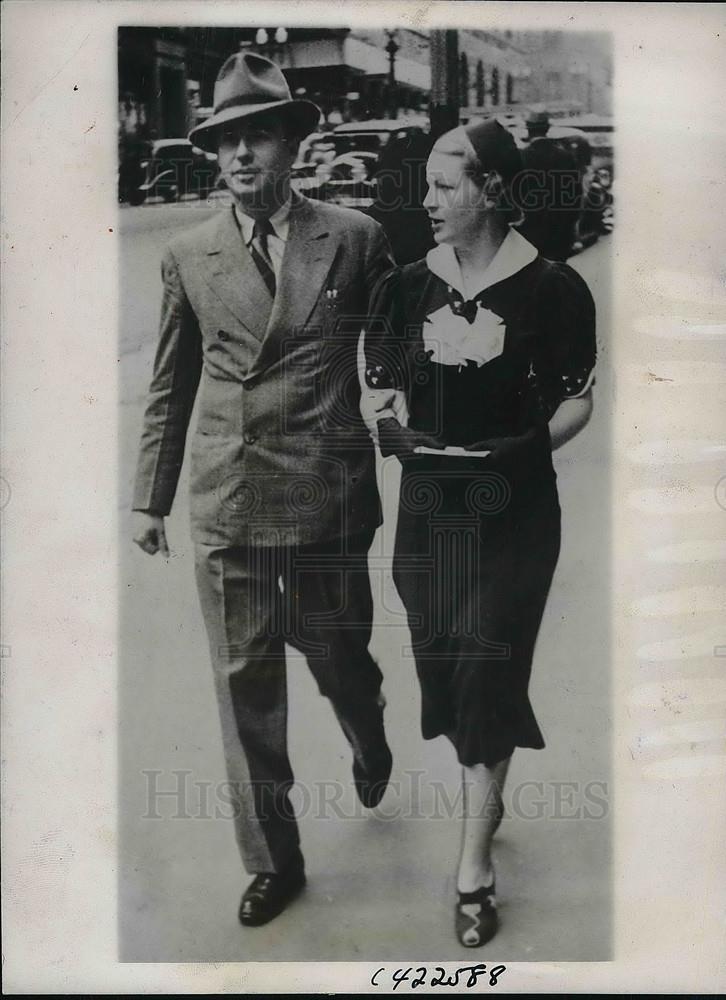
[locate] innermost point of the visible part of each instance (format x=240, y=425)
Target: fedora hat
x=248, y=84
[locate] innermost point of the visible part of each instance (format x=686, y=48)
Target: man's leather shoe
x=371, y=776
x=372, y=765
x=269, y=893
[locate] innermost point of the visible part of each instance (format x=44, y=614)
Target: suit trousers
x=317, y=598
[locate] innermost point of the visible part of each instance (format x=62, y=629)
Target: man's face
x=603, y=175
x=255, y=158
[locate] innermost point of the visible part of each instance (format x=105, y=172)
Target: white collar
x=514, y=253
x=280, y=222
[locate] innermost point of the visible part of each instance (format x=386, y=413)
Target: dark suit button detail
x=223, y=335
x=249, y=438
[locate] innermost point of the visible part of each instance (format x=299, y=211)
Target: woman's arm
x=379, y=404
x=569, y=418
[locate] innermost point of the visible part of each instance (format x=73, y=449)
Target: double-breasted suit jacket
x=284, y=500
x=280, y=454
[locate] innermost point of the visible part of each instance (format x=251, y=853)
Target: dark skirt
x=473, y=564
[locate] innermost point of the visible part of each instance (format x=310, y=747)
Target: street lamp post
x=444, y=103
x=272, y=43
x=392, y=48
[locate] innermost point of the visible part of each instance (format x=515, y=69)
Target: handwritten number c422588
x=440, y=977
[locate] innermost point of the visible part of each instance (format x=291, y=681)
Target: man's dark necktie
x=261, y=254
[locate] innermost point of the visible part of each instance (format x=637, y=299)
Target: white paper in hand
x=450, y=450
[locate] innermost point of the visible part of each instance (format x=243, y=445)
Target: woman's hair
x=493, y=175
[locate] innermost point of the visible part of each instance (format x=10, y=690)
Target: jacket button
x=249, y=438
x=223, y=335
x=249, y=383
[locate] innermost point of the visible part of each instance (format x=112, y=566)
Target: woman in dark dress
x=479, y=362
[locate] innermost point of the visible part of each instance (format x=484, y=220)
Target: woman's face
x=455, y=204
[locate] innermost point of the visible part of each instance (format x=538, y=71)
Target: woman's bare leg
x=482, y=788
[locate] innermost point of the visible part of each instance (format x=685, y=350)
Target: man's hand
x=379, y=404
x=402, y=441
x=149, y=534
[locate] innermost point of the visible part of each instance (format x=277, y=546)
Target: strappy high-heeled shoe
x=476, y=916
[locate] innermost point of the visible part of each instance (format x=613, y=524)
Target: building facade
x=570, y=72
x=166, y=75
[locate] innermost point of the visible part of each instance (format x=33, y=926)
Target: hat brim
x=206, y=136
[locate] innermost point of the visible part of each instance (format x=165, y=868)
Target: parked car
x=348, y=179
x=510, y=119
x=133, y=154
x=171, y=168
x=574, y=140
x=371, y=136
x=600, y=132
x=340, y=166
x=315, y=149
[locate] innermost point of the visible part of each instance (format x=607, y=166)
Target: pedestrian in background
x=550, y=191
x=596, y=218
x=400, y=191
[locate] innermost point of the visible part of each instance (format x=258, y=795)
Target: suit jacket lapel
x=309, y=255
x=233, y=276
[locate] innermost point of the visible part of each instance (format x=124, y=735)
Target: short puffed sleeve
x=384, y=344
x=568, y=348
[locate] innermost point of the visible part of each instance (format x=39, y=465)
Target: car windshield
x=369, y=142
x=173, y=151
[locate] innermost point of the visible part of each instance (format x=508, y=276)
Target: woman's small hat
x=494, y=147
x=248, y=84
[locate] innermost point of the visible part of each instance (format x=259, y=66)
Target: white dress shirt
x=514, y=253
x=280, y=223
x=453, y=340
x=450, y=338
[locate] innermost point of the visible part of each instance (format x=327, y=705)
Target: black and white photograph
x=364, y=275
x=362, y=497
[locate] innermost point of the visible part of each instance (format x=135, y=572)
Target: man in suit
x=261, y=313
x=550, y=191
